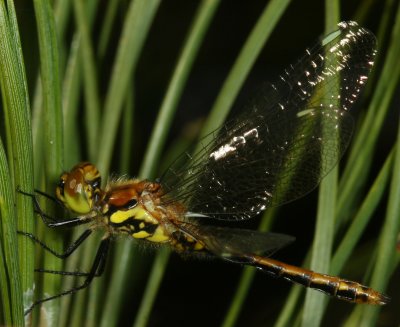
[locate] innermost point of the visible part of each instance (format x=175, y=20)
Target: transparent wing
x=224, y=241
x=288, y=138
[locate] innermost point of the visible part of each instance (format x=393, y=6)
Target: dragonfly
x=275, y=151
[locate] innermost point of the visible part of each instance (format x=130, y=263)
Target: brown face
x=78, y=188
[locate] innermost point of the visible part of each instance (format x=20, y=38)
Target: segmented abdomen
x=334, y=286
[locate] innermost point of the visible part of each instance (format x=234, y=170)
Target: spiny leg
x=71, y=222
x=70, y=249
x=96, y=270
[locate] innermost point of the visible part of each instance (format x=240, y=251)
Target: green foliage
x=89, y=103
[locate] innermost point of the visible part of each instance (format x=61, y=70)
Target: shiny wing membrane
x=285, y=141
x=232, y=242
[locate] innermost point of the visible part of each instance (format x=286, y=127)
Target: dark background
x=193, y=292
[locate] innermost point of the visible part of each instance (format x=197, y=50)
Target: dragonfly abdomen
x=335, y=286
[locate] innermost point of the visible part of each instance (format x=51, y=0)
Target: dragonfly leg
x=70, y=249
x=51, y=221
x=96, y=270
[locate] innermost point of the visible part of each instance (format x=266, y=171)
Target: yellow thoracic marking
x=137, y=213
x=198, y=246
x=142, y=225
x=158, y=236
x=141, y=234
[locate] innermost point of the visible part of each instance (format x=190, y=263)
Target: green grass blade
x=200, y=25
x=53, y=135
x=72, y=84
x=19, y=141
x=357, y=227
x=356, y=170
x=251, y=49
x=71, y=88
x=291, y=304
x=62, y=13
x=137, y=23
x=153, y=285
x=246, y=278
x=6, y=211
x=324, y=229
x=92, y=112
x=50, y=74
x=10, y=273
x=388, y=237
x=111, y=13
x=361, y=219
x=241, y=292
x=322, y=247
x=128, y=122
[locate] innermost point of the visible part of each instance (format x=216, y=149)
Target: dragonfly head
x=79, y=189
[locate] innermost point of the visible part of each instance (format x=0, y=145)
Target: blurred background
x=193, y=292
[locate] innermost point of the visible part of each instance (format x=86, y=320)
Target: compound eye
x=60, y=187
x=75, y=189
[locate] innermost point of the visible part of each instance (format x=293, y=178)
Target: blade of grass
x=49, y=67
x=68, y=303
x=246, y=278
x=71, y=93
x=81, y=307
x=361, y=219
x=85, y=303
x=183, y=67
x=287, y=314
x=92, y=112
x=16, y=111
x=6, y=210
x=357, y=166
x=106, y=28
x=137, y=23
x=324, y=228
x=10, y=281
x=263, y=28
x=387, y=240
x=62, y=13
x=128, y=122
x=153, y=285
x=53, y=127
x=321, y=247
x=71, y=90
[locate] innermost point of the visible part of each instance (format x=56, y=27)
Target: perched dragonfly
x=275, y=151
